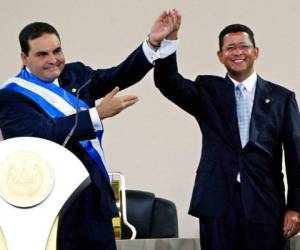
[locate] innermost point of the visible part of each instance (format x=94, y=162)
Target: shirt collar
x=249, y=83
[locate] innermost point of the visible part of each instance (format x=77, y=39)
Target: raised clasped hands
x=166, y=26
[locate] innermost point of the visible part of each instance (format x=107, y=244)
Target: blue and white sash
x=57, y=102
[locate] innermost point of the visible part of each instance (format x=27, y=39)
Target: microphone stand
x=76, y=114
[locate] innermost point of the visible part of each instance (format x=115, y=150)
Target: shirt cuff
x=96, y=121
x=166, y=48
x=150, y=54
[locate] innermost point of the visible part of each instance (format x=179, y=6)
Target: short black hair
x=33, y=31
x=233, y=28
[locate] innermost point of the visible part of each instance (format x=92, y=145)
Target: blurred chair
x=1, y=136
x=152, y=217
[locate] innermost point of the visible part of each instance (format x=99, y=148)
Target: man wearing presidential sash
x=56, y=101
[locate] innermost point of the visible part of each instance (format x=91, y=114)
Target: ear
x=23, y=58
x=256, y=51
x=220, y=56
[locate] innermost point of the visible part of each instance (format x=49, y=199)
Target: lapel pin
x=267, y=100
x=74, y=90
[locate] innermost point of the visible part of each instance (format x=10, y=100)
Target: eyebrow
x=41, y=53
x=234, y=44
x=57, y=49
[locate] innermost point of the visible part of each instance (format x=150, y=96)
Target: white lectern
x=37, y=177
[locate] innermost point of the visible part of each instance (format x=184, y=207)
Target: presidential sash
x=57, y=102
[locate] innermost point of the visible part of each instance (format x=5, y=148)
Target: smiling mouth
x=238, y=60
x=51, y=68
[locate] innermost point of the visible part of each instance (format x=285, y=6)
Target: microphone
x=76, y=114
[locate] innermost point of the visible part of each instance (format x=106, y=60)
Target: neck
x=240, y=77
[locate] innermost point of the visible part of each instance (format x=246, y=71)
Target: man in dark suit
x=41, y=102
x=239, y=193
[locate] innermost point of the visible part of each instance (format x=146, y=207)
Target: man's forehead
x=238, y=37
x=46, y=42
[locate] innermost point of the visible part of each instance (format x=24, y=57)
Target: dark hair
x=233, y=28
x=33, y=31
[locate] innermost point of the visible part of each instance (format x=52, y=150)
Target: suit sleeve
x=183, y=92
x=291, y=143
x=20, y=117
x=127, y=73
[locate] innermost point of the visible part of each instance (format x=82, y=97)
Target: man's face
x=238, y=55
x=45, y=58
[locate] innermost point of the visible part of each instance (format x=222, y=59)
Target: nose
x=238, y=51
x=51, y=59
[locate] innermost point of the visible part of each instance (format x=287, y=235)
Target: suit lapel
x=261, y=105
x=227, y=109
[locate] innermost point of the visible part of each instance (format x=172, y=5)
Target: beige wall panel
x=155, y=144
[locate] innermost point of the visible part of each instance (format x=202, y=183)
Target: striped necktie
x=243, y=113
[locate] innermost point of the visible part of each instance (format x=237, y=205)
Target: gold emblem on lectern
x=26, y=178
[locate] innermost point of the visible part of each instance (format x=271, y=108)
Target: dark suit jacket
x=19, y=116
x=275, y=122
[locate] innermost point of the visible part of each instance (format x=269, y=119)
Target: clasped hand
x=166, y=26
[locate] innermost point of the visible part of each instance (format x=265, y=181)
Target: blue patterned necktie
x=243, y=112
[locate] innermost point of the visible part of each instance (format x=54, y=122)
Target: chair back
x=152, y=217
